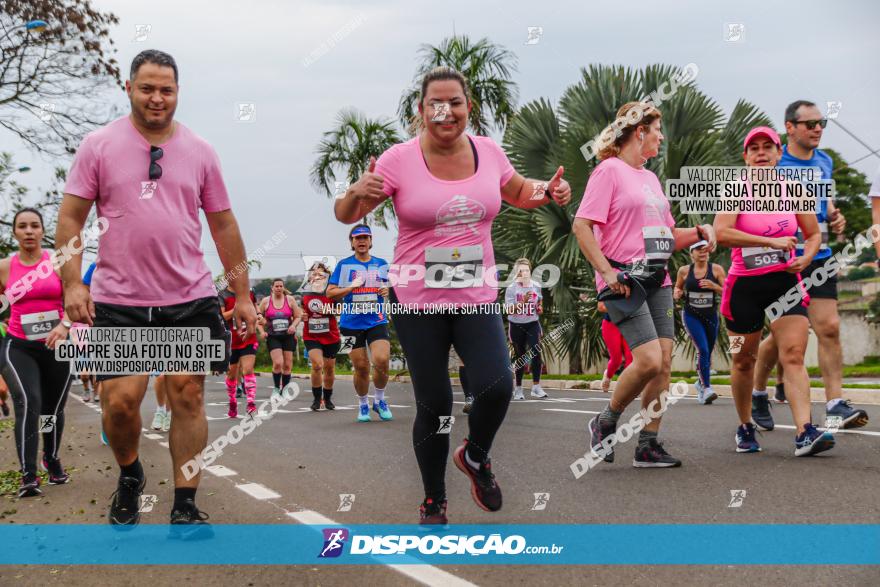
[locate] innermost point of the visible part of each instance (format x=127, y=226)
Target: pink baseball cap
x=762, y=130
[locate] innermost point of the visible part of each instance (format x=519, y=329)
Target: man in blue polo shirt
x=362, y=281
x=804, y=124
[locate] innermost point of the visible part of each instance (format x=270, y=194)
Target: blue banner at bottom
x=286, y=544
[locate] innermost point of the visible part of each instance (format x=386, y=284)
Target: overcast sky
x=252, y=52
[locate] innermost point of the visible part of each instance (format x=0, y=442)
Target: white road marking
x=220, y=471
x=865, y=432
x=165, y=444
x=152, y=436
x=424, y=574
x=258, y=491
x=570, y=411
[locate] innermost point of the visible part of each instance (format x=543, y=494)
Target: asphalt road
x=300, y=461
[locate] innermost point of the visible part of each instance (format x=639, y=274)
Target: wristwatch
x=66, y=323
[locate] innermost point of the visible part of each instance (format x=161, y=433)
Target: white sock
x=758, y=392
x=364, y=400
x=833, y=402
x=379, y=394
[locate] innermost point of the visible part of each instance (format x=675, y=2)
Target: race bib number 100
x=659, y=242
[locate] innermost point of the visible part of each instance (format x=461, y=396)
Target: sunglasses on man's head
x=811, y=124
x=156, y=153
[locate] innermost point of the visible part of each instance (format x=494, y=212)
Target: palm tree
x=541, y=137
x=347, y=149
x=486, y=66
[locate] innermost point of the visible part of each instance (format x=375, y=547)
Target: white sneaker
x=538, y=392
x=158, y=420
x=518, y=393
x=606, y=383
x=166, y=422
x=87, y=395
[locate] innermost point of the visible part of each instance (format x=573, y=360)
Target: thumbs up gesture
x=369, y=186
x=559, y=189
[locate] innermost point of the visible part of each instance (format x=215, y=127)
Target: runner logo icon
x=47, y=423
x=334, y=542
x=446, y=423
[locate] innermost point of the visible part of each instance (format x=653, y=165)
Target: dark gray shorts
x=651, y=321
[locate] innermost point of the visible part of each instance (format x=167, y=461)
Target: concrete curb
x=859, y=396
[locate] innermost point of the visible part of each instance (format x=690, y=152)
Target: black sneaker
x=327, y=403
x=316, y=405
x=57, y=474
x=126, y=503
x=5, y=407
x=188, y=523
x=484, y=488
x=599, y=431
x=30, y=486
x=433, y=513
x=780, y=393
x=761, y=412
x=654, y=456
x=239, y=391
x=468, y=404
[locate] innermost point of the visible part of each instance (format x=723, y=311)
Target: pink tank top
x=36, y=297
x=750, y=261
x=278, y=320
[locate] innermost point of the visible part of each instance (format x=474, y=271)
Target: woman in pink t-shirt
x=765, y=279
x=626, y=232
x=447, y=186
x=39, y=384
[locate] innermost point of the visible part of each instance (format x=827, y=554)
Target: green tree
x=50, y=77
x=487, y=67
x=344, y=154
x=542, y=136
x=852, y=197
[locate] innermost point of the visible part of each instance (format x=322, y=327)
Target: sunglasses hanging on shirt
x=156, y=153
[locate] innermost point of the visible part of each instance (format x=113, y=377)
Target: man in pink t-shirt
x=149, y=177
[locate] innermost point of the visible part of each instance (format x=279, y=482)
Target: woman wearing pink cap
x=626, y=231
x=764, y=271
x=447, y=186
x=39, y=384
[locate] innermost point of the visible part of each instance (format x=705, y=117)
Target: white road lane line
x=258, y=491
x=424, y=574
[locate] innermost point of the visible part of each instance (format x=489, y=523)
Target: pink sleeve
x=597, y=196
x=82, y=181
x=507, y=170
x=388, y=166
x=215, y=198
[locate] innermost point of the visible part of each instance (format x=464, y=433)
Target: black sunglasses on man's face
x=156, y=153
x=811, y=124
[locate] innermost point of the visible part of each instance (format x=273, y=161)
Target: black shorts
x=364, y=337
x=242, y=352
x=329, y=350
x=747, y=298
x=199, y=313
x=285, y=342
x=827, y=289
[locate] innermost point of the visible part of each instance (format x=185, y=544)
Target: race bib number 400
x=454, y=267
x=659, y=242
x=700, y=299
x=758, y=257
x=38, y=325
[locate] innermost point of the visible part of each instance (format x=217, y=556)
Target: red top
x=317, y=325
x=227, y=301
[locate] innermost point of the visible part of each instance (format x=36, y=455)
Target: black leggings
x=39, y=385
x=526, y=339
x=479, y=341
